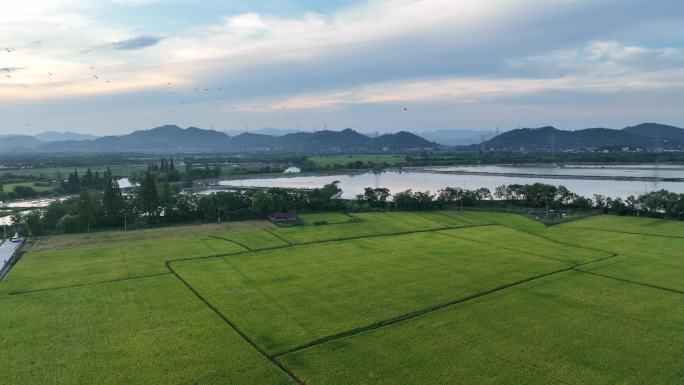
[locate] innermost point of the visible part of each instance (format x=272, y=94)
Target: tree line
x=154, y=203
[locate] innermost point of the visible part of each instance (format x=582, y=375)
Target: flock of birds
x=8, y=73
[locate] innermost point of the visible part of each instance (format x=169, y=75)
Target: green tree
x=148, y=196
x=262, y=203
x=86, y=209
x=34, y=223
x=88, y=178
x=112, y=200
x=166, y=201
x=69, y=224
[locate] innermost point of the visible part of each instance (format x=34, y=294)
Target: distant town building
x=292, y=170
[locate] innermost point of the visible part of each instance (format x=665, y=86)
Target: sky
x=114, y=66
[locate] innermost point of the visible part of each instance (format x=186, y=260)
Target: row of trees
x=661, y=203
x=153, y=203
x=146, y=205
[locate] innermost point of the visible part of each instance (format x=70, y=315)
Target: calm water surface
x=397, y=181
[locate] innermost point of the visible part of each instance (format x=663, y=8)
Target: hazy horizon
x=104, y=68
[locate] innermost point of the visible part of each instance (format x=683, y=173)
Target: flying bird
x=96, y=77
x=405, y=108
x=9, y=50
x=50, y=73
x=108, y=82
x=8, y=77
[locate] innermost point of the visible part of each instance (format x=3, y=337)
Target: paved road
x=7, y=250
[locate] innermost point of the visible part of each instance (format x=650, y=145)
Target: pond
x=435, y=179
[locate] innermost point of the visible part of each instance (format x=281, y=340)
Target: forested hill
x=175, y=139
x=647, y=136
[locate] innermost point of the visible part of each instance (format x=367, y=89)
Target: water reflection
x=398, y=181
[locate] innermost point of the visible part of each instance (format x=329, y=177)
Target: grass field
x=68, y=267
x=372, y=279
x=389, y=298
x=121, y=171
x=376, y=224
x=58, y=242
x=145, y=331
x=10, y=186
x=631, y=225
x=392, y=160
x=567, y=329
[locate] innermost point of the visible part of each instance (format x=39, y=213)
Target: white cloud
x=379, y=52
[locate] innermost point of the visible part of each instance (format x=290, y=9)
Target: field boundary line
x=290, y=245
x=282, y=308
x=631, y=282
x=123, y=257
x=407, y=232
x=229, y=240
x=279, y=237
x=233, y=326
x=86, y=284
x=627, y=232
x=555, y=240
x=510, y=249
x=418, y=313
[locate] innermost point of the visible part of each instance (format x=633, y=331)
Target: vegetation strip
x=85, y=284
x=632, y=282
x=232, y=325
x=408, y=316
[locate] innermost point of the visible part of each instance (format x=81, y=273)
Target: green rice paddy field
x=387, y=298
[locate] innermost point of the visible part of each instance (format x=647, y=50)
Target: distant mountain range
x=647, y=137
x=26, y=142
x=54, y=136
x=173, y=139
x=456, y=137
x=168, y=139
x=264, y=131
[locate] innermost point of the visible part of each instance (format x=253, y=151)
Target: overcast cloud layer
x=113, y=66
